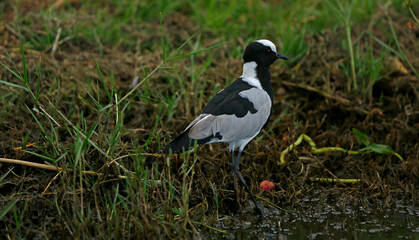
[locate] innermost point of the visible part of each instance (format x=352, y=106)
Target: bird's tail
x=181, y=143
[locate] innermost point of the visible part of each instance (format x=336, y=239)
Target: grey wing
x=231, y=127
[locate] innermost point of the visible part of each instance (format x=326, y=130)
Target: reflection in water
x=323, y=221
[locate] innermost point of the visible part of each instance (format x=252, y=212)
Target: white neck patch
x=268, y=44
x=249, y=74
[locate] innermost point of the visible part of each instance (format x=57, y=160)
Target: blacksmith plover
x=237, y=113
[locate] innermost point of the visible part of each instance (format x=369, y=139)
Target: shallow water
x=323, y=221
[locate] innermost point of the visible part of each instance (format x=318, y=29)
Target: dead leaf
x=394, y=65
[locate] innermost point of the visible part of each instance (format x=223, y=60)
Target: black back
x=229, y=102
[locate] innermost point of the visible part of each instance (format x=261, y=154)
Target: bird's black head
x=263, y=52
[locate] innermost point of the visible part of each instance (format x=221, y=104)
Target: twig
x=56, y=42
x=49, y=184
x=30, y=164
x=49, y=167
x=40, y=107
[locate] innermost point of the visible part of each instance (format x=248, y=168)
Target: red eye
x=268, y=51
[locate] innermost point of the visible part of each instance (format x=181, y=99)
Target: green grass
x=88, y=120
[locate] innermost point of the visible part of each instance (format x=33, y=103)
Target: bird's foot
x=260, y=211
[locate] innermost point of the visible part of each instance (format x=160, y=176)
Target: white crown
x=268, y=44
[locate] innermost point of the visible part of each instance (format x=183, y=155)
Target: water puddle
x=323, y=221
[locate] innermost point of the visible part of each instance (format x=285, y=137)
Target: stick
x=30, y=164
x=49, y=167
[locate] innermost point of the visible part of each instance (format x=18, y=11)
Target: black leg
x=234, y=182
x=237, y=171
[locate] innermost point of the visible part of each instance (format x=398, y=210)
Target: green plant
x=363, y=139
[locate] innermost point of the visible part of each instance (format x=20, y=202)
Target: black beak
x=281, y=56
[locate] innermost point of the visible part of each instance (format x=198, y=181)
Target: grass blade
x=15, y=74
x=196, y=52
x=5, y=175
x=7, y=208
x=38, y=83
x=102, y=80
x=40, y=156
x=385, y=45
x=36, y=119
x=184, y=43
x=13, y=63
x=411, y=11
x=25, y=71
x=162, y=38
x=13, y=85
x=140, y=83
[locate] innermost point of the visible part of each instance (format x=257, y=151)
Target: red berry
x=267, y=185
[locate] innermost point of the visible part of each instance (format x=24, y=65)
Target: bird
x=237, y=113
